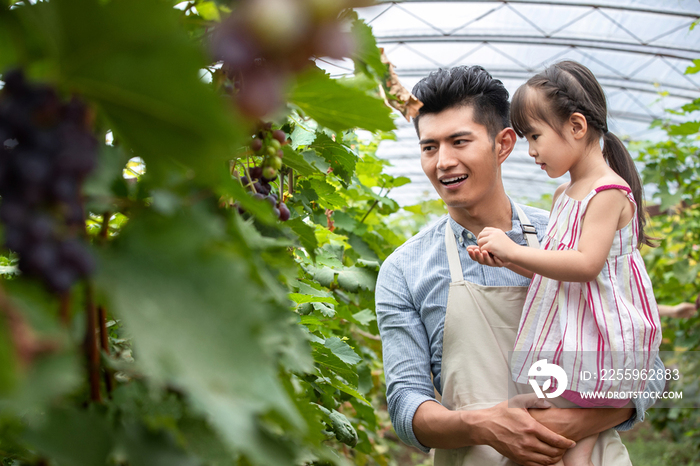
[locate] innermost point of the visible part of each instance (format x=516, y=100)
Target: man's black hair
x=462, y=86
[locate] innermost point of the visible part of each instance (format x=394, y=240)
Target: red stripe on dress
x=645, y=305
x=601, y=361
x=558, y=213
x=574, y=232
x=538, y=278
x=619, y=319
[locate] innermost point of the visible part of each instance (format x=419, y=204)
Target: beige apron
x=480, y=328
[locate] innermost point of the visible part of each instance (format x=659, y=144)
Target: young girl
x=590, y=305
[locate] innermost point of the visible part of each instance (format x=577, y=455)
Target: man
x=442, y=314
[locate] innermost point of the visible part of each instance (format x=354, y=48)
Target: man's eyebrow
x=460, y=134
x=451, y=136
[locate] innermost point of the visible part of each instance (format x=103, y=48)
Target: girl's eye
x=535, y=136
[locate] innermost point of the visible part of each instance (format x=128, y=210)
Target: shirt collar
x=515, y=232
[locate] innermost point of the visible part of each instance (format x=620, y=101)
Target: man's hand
x=495, y=241
x=515, y=434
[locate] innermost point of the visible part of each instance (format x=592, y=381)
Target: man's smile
x=453, y=180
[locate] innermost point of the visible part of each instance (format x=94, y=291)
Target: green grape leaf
x=208, y=10
x=327, y=195
x=194, y=313
x=145, y=447
x=324, y=309
x=364, y=317
x=306, y=298
x=325, y=358
x=339, y=107
x=302, y=136
x=344, y=431
x=341, y=349
x=323, y=275
x=684, y=129
x=341, y=158
x=695, y=67
x=98, y=186
x=306, y=234
x=354, y=278
x=297, y=162
x=345, y=388
x=79, y=438
x=142, y=71
x=366, y=55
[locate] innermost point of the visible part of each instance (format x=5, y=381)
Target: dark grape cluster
x=263, y=42
x=268, y=145
x=47, y=151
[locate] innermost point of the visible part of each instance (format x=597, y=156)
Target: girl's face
x=552, y=151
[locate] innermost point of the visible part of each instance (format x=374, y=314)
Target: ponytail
x=621, y=162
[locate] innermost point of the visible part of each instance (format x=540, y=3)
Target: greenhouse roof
x=638, y=50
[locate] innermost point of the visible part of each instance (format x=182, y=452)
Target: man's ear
x=505, y=142
x=579, y=125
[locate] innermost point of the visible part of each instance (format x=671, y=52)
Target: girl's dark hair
x=563, y=89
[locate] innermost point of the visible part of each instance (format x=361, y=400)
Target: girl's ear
x=579, y=125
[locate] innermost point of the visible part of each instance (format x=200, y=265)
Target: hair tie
x=605, y=130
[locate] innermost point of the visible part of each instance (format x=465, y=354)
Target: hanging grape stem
x=64, y=308
x=92, y=351
x=247, y=174
x=281, y=189
x=104, y=229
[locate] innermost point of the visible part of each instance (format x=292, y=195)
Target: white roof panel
x=636, y=48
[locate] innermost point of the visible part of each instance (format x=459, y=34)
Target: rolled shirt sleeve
x=641, y=404
x=405, y=349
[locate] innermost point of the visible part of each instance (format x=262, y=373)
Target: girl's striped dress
x=607, y=324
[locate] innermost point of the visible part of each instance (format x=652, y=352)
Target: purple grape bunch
x=47, y=151
x=263, y=43
x=267, y=144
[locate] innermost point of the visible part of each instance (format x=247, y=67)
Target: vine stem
x=104, y=229
x=247, y=174
x=92, y=351
x=104, y=341
x=64, y=308
x=281, y=190
x=374, y=204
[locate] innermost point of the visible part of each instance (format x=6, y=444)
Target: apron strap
x=453, y=254
x=529, y=231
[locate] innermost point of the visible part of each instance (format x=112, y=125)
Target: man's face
x=458, y=156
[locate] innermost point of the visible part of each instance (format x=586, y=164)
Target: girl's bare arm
x=598, y=230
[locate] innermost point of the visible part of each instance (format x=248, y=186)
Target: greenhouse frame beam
x=602, y=6
x=630, y=84
x=612, y=46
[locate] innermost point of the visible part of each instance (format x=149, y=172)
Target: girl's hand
x=484, y=257
x=496, y=242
